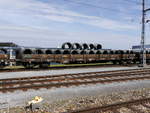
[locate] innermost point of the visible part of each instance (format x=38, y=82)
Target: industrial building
x=138, y=47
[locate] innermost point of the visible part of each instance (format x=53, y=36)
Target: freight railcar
x=69, y=53
x=43, y=57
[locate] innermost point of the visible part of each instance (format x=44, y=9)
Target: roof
x=139, y=46
x=8, y=44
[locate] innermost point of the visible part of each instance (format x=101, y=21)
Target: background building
x=138, y=47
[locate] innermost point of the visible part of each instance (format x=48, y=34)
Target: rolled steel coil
x=98, y=46
x=85, y=46
x=77, y=46
x=75, y=52
x=39, y=51
x=132, y=52
x=92, y=46
x=48, y=51
x=83, y=52
x=98, y=52
x=66, y=52
x=120, y=52
x=112, y=52
x=67, y=45
x=106, y=52
x=58, y=51
x=27, y=51
x=91, y=52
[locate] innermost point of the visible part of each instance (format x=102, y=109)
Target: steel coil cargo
x=98, y=46
x=85, y=46
x=27, y=51
x=83, y=52
x=67, y=45
x=75, y=52
x=66, y=52
x=98, y=52
x=77, y=46
x=92, y=46
x=48, y=51
x=58, y=51
x=91, y=52
x=39, y=51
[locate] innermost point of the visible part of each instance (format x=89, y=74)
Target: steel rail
x=72, y=83
x=59, y=79
x=65, y=75
x=101, y=109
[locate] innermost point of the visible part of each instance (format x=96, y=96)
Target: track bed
x=67, y=80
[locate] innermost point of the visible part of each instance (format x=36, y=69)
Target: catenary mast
x=143, y=56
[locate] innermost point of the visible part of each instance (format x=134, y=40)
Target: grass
x=62, y=65
x=73, y=65
x=14, y=67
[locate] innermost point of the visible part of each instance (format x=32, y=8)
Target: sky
x=116, y=24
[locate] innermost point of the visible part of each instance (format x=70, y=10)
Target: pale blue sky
x=48, y=23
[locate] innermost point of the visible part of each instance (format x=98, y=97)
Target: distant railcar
x=4, y=57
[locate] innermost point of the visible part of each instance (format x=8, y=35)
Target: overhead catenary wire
x=93, y=5
x=131, y=1
x=104, y=8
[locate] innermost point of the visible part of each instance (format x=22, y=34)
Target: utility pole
x=143, y=52
x=143, y=56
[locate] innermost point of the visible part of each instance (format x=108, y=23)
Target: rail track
x=114, y=108
x=66, y=80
